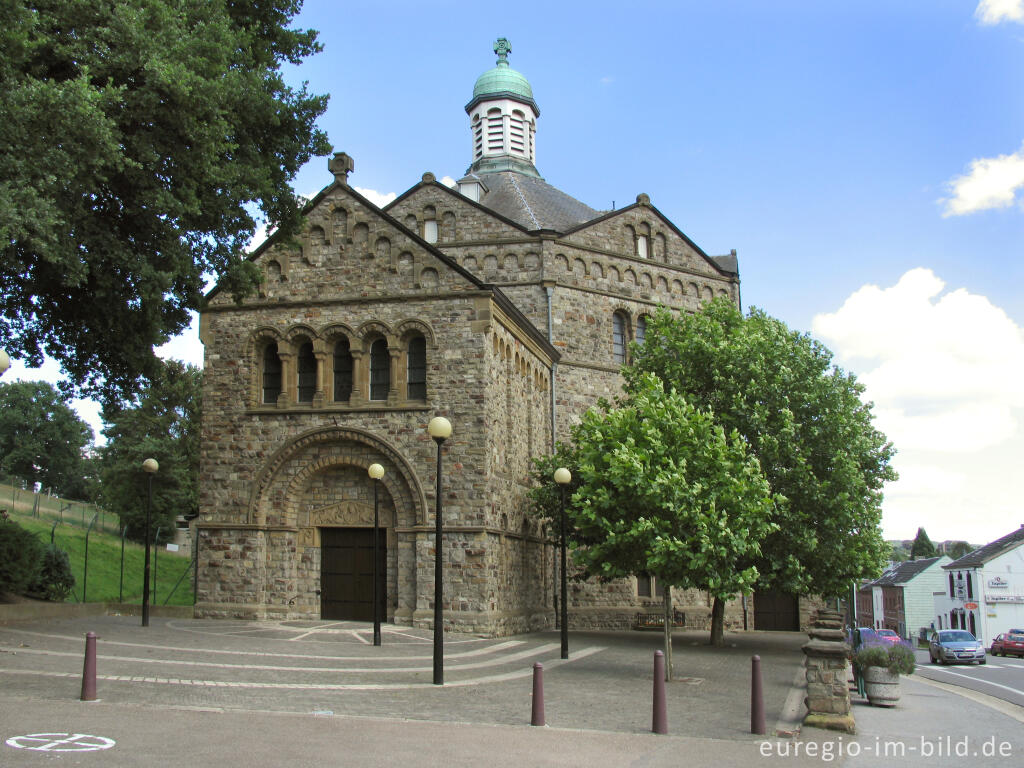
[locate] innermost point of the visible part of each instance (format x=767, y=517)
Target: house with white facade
x=984, y=589
x=902, y=598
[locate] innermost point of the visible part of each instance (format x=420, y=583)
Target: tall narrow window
x=430, y=224
x=417, y=367
x=380, y=370
x=271, y=374
x=342, y=371
x=643, y=585
x=641, y=329
x=618, y=338
x=307, y=373
x=641, y=246
x=970, y=587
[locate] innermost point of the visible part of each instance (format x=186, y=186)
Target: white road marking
x=490, y=662
x=580, y=654
x=76, y=639
x=977, y=679
x=60, y=742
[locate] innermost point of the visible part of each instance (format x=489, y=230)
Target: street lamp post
x=440, y=429
x=376, y=472
x=150, y=467
x=563, y=477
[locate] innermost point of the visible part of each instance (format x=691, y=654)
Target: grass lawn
x=104, y=575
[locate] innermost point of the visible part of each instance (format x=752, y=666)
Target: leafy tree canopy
x=922, y=546
x=136, y=140
x=803, y=419
x=959, y=549
x=42, y=439
x=663, y=490
x=163, y=424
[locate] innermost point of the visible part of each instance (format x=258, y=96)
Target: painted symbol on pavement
x=61, y=742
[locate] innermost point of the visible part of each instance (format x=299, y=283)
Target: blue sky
x=865, y=159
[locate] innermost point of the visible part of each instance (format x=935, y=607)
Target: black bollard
x=89, y=668
x=659, y=722
x=757, y=724
x=537, y=715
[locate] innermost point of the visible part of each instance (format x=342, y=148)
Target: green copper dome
x=502, y=80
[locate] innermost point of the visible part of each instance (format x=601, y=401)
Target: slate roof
x=982, y=555
x=532, y=203
x=904, y=572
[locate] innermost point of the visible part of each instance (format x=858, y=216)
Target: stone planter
x=881, y=686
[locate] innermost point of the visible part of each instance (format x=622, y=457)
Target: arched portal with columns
x=317, y=483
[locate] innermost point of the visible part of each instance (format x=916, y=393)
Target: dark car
x=955, y=645
x=1008, y=644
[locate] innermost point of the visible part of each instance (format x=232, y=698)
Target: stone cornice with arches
x=380, y=448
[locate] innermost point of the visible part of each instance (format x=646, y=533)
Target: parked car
x=1008, y=644
x=887, y=635
x=955, y=645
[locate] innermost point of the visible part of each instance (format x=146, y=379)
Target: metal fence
x=19, y=496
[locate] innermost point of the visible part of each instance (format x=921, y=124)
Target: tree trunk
x=668, y=634
x=718, y=622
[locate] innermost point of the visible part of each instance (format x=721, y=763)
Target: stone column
x=828, y=693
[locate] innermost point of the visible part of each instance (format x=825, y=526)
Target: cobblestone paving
x=332, y=667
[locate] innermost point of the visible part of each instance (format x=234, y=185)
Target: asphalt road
x=1001, y=677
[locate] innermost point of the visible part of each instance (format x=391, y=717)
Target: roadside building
x=984, y=590
x=901, y=599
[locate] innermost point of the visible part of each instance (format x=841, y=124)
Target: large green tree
x=805, y=421
x=922, y=546
x=138, y=139
x=42, y=440
x=664, y=490
x=163, y=424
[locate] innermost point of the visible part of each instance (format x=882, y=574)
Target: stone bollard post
x=757, y=719
x=89, y=668
x=828, y=695
x=537, y=715
x=659, y=721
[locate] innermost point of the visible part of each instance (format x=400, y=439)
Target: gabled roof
x=724, y=265
x=906, y=571
x=990, y=551
x=499, y=296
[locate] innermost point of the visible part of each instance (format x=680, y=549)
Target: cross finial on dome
x=503, y=48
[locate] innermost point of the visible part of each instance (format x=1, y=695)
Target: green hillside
x=105, y=564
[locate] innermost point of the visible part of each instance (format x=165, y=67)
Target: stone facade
x=322, y=374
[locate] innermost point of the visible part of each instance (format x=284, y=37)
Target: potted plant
x=880, y=664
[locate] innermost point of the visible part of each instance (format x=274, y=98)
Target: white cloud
x=943, y=368
x=995, y=11
x=380, y=199
x=449, y=182
x=990, y=182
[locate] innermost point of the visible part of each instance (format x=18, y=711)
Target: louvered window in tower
x=380, y=370
x=495, y=132
x=478, y=137
x=307, y=373
x=517, y=138
x=417, y=367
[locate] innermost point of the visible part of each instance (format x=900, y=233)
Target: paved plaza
x=186, y=692
x=322, y=668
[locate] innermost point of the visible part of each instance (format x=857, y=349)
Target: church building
x=502, y=304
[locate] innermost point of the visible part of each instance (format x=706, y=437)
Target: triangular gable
x=458, y=199
x=317, y=213
x=620, y=212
